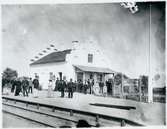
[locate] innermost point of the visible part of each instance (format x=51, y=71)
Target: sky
x=123, y=36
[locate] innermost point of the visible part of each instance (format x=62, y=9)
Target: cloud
x=123, y=36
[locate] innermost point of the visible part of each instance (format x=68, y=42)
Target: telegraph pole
x=150, y=89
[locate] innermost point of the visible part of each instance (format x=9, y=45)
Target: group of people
x=86, y=87
x=63, y=86
x=24, y=86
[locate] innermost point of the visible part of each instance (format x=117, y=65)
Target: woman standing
x=50, y=86
x=36, y=87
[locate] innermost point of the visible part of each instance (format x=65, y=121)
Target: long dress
x=36, y=87
x=50, y=89
x=96, y=89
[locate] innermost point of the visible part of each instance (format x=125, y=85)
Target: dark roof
x=59, y=56
x=94, y=69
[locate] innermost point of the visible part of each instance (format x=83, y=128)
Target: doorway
x=80, y=76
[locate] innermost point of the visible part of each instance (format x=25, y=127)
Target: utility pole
x=150, y=89
x=122, y=90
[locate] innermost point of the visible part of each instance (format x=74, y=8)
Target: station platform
x=139, y=112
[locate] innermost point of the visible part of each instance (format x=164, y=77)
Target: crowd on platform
x=25, y=86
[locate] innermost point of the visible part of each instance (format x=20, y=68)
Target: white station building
x=83, y=61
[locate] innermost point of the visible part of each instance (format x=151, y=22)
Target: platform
x=145, y=114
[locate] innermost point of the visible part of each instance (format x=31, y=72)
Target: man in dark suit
x=25, y=84
x=70, y=87
x=101, y=85
x=56, y=85
x=18, y=87
x=36, y=83
x=62, y=86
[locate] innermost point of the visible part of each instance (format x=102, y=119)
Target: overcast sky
x=123, y=36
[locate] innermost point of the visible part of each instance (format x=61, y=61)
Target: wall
x=79, y=56
x=43, y=71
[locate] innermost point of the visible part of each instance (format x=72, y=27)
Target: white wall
x=79, y=56
x=43, y=71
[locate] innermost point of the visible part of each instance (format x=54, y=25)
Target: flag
x=131, y=5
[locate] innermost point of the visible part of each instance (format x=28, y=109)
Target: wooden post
x=26, y=104
x=71, y=113
x=97, y=118
x=123, y=123
x=37, y=106
x=53, y=109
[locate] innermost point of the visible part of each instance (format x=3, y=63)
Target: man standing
x=13, y=85
x=18, y=87
x=92, y=84
x=101, y=85
x=70, y=86
x=89, y=86
x=30, y=86
x=56, y=84
x=85, y=87
x=25, y=84
x=61, y=86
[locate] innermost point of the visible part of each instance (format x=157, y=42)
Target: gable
x=53, y=57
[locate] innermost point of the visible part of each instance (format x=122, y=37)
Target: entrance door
x=80, y=76
x=60, y=75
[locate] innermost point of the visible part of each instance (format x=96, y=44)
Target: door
x=80, y=76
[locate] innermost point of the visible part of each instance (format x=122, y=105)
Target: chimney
x=75, y=45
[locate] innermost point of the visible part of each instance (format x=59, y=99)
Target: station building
x=82, y=61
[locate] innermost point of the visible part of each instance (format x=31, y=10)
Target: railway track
x=52, y=116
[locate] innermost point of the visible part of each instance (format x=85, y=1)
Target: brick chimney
x=75, y=45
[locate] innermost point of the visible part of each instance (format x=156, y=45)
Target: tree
x=9, y=74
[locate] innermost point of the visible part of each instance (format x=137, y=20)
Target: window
x=90, y=58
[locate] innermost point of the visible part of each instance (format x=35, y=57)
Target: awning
x=94, y=69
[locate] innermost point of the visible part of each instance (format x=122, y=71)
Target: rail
x=72, y=111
